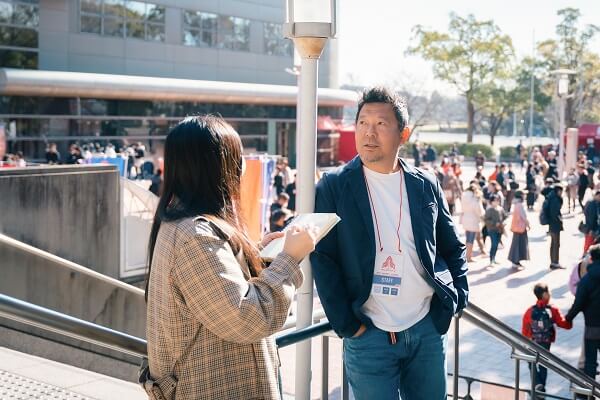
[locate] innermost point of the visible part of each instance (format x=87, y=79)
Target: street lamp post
x=309, y=23
x=563, y=94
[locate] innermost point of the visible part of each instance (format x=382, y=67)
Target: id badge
x=389, y=268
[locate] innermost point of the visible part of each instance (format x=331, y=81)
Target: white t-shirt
x=411, y=301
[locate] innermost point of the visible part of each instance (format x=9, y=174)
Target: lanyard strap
x=375, y=213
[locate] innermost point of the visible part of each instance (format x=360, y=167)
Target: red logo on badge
x=388, y=264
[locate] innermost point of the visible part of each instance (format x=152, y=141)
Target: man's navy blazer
x=343, y=261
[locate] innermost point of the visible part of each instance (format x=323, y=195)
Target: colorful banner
x=121, y=163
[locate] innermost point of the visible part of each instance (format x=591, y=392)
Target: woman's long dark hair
x=202, y=176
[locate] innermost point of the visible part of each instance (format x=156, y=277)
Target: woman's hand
x=300, y=242
x=269, y=237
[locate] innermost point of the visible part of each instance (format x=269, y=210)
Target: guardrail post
x=456, y=348
x=517, y=376
x=533, y=375
x=324, y=367
x=345, y=388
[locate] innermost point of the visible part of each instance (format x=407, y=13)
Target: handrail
x=289, y=323
x=506, y=334
x=69, y=264
x=44, y=318
x=302, y=334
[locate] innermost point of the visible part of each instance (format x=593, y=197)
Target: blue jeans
x=541, y=372
x=414, y=367
x=495, y=238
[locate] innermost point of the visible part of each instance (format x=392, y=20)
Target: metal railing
x=72, y=266
x=522, y=348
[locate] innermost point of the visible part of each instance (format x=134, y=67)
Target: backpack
x=544, y=218
x=542, y=327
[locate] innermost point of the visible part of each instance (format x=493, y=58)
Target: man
x=52, y=154
x=591, y=213
x=555, y=223
x=281, y=202
x=552, y=171
x=587, y=299
x=393, y=272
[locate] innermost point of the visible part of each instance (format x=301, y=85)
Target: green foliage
x=508, y=153
x=470, y=56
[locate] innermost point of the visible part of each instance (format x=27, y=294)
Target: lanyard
x=375, y=213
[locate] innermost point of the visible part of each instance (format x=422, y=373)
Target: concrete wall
x=70, y=211
x=63, y=48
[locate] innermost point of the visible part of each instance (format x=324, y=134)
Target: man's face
x=378, y=136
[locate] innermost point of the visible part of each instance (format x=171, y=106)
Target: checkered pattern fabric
x=208, y=321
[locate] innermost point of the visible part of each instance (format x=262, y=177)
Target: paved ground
x=503, y=292
x=23, y=376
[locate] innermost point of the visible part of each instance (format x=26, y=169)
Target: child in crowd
x=538, y=325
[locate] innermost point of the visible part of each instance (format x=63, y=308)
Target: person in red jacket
x=538, y=325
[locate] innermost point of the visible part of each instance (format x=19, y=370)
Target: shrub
x=468, y=150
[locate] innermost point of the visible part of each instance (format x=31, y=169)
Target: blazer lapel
x=357, y=187
x=414, y=189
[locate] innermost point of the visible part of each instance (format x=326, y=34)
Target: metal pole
x=517, y=376
x=533, y=374
x=456, y=367
x=324, y=367
x=305, y=203
x=345, y=388
x=532, y=91
x=561, y=140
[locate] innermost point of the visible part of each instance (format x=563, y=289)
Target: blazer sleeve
x=212, y=284
x=452, y=250
x=327, y=270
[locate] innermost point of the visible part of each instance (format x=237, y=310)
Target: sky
x=374, y=34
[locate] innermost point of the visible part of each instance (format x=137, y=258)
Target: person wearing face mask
x=393, y=273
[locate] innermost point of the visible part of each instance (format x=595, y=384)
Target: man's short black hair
x=539, y=289
x=594, y=251
x=380, y=94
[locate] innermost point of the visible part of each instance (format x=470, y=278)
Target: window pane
x=20, y=37
x=241, y=34
x=225, y=38
x=18, y=59
x=191, y=18
x=191, y=37
x=26, y=15
x=155, y=13
x=91, y=6
x=6, y=10
x=135, y=10
x=209, y=21
x=114, y=7
x=90, y=24
x=135, y=29
x=155, y=32
x=209, y=38
x=113, y=27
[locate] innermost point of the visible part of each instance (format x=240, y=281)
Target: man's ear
x=405, y=135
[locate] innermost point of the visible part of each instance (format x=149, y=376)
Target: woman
x=451, y=188
x=494, y=217
x=211, y=303
x=572, y=189
x=471, y=217
x=519, y=248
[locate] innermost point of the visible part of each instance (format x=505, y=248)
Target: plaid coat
x=209, y=322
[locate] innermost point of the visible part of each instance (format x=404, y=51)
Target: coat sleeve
x=212, y=284
x=559, y=319
x=526, y=328
x=327, y=270
x=451, y=249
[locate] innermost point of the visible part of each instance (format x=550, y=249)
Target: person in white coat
x=472, y=214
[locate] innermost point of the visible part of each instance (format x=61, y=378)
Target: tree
x=471, y=55
x=422, y=106
x=571, y=50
